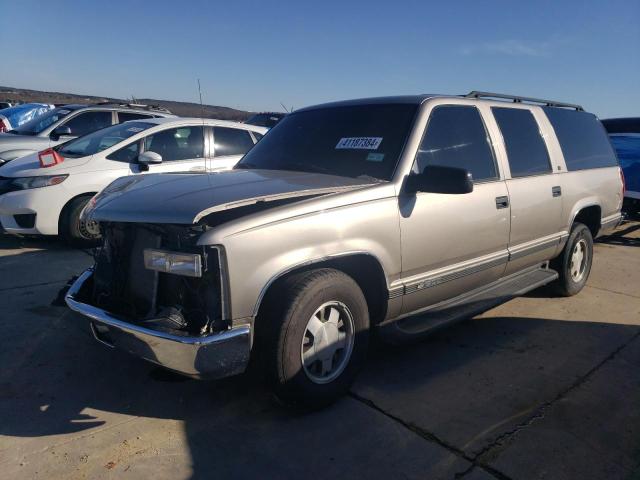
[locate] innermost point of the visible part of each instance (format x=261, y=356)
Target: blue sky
x=255, y=54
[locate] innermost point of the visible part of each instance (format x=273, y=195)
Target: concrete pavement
x=540, y=387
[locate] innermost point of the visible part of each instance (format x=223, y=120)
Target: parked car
x=70, y=121
x=44, y=193
x=13, y=117
x=4, y=105
x=402, y=214
x=625, y=137
x=265, y=119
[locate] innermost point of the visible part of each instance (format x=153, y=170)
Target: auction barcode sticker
x=359, y=143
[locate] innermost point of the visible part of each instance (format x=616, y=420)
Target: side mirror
x=61, y=131
x=440, y=179
x=148, y=158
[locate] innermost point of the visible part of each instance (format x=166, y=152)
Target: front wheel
x=574, y=263
x=74, y=230
x=314, y=336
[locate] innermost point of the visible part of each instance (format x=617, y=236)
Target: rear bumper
x=214, y=356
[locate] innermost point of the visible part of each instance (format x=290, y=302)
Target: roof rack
x=137, y=106
x=518, y=99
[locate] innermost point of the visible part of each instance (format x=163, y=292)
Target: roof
x=204, y=121
x=400, y=99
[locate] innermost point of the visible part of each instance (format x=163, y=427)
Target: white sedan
x=45, y=193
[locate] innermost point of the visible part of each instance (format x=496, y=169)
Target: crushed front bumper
x=215, y=356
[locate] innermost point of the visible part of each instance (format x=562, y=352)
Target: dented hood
x=186, y=198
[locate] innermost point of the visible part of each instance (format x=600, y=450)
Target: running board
x=471, y=303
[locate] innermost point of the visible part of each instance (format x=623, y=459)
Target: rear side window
x=126, y=116
x=582, y=138
x=525, y=146
x=88, y=122
x=456, y=137
x=231, y=141
x=181, y=143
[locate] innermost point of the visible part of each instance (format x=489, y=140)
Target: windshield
x=42, y=122
x=101, y=140
x=350, y=141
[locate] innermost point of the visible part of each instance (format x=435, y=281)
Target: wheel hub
x=578, y=263
x=327, y=342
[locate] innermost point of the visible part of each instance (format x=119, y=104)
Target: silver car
x=400, y=214
x=67, y=122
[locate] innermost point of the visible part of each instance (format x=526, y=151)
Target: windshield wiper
x=246, y=165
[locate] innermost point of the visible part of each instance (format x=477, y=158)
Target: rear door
x=229, y=146
x=535, y=192
x=181, y=149
x=452, y=244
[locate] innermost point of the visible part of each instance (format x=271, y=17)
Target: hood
x=29, y=166
x=186, y=198
x=9, y=141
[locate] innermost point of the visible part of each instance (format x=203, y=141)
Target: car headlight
x=25, y=183
x=187, y=264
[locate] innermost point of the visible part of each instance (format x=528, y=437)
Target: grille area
x=122, y=285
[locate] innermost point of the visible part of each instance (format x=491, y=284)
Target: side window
x=525, y=146
x=126, y=116
x=88, y=122
x=456, y=137
x=128, y=154
x=582, y=138
x=180, y=143
x=231, y=141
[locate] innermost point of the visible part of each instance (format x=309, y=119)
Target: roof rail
x=518, y=99
x=137, y=106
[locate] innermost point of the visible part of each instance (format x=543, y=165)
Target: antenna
x=201, y=106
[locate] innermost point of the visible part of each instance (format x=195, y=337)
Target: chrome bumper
x=214, y=356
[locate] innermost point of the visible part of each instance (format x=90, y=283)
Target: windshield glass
x=350, y=141
x=42, y=122
x=101, y=140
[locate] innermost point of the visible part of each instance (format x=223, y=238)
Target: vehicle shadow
x=475, y=378
x=621, y=236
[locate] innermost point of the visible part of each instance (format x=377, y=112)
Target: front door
x=454, y=243
x=181, y=149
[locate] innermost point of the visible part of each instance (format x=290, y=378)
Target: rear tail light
x=49, y=158
x=4, y=125
x=624, y=189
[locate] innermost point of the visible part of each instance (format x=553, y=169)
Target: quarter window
x=231, y=141
x=88, y=122
x=128, y=154
x=525, y=146
x=582, y=138
x=181, y=143
x=456, y=137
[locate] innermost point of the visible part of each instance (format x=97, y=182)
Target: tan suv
x=401, y=214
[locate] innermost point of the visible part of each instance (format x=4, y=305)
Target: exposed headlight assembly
x=187, y=264
x=25, y=183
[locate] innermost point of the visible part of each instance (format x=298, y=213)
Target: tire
x=75, y=232
x=307, y=370
x=573, y=276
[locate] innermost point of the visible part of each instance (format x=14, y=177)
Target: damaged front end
x=156, y=294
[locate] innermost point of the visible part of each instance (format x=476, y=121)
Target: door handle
x=502, y=202
x=556, y=191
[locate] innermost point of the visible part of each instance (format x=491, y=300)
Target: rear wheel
x=574, y=263
x=313, y=336
x=77, y=232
